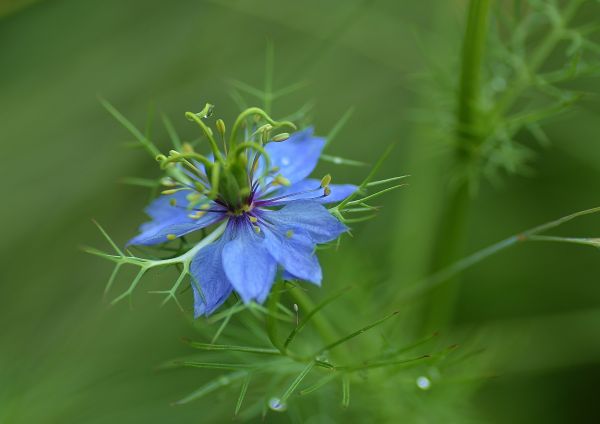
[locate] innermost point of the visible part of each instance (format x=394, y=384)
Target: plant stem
x=469, y=136
x=454, y=269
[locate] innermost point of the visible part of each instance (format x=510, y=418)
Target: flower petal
x=295, y=251
x=310, y=189
x=247, y=263
x=307, y=216
x=169, y=219
x=297, y=156
x=209, y=282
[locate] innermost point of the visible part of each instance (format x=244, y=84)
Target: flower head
x=273, y=213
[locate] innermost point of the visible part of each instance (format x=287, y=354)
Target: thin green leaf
x=223, y=325
x=232, y=348
x=140, y=182
x=211, y=386
x=289, y=89
x=171, y=131
x=338, y=126
x=297, y=381
x=337, y=160
x=239, y=307
x=242, y=395
x=214, y=365
x=369, y=177
x=404, y=362
x=356, y=333
x=387, y=180
x=107, y=237
x=345, y=390
x=374, y=195
x=150, y=147
x=247, y=88
x=308, y=317
x=322, y=382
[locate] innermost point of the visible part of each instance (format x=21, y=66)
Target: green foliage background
x=66, y=357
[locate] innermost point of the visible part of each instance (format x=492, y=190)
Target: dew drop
x=277, y=404
x=423, y=383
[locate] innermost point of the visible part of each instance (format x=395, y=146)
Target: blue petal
x=248, y=265
x=297, y=156
x=169, y=219
x=209, y=282
x=295, y=251
x=311, y=189
x=307, y=216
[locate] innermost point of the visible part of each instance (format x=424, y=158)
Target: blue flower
x=274, y=227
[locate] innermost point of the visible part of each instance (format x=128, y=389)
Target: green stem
x=469, y=136
x=446, y=274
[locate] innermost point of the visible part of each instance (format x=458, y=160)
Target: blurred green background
x=66, y=357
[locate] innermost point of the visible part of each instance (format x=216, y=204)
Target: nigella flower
x=273, y=214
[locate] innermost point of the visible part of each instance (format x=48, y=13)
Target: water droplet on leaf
x=277, y=404
x=423, y=383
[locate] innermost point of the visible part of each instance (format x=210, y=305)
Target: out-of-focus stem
x=469, y=136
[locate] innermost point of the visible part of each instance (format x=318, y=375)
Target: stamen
x=168, y=182
x=256, y=229
x=197, y=214
x=325, y=180
x=280, y=137
x=281, y=180
x=253, y=219
x=187, y=148
x=171, y=236
x=220, y=124
x=326, y=191
x=174, y=190
x=289, y=234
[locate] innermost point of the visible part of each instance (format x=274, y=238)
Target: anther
x=265, y=131
x=199, y=186
x=281, y=180
x=173, y=202
x=220, y=124
x=193, y=197
x=325, y=181
x=326, y=191
x=197, y=215
x=187, y=147
x=289, y=234
x=253, y=219
x=280, y=137
x=167, y=182
x=256, y=229
x=171, y=236
x=172, y=190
